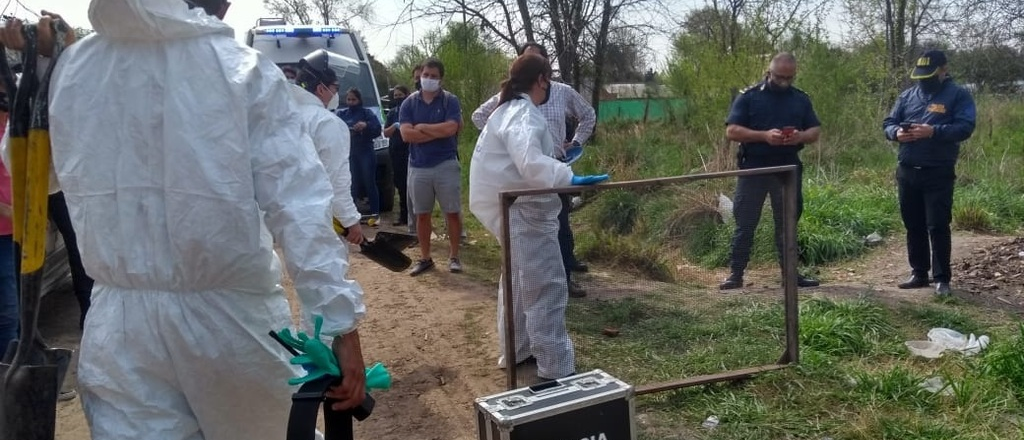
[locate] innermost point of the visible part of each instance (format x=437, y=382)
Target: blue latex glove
x=589, y=180
x=573, y=153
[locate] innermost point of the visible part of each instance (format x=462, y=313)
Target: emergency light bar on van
x=301, y=32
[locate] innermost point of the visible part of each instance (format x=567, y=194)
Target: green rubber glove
x=316, y=357
x=319, y=360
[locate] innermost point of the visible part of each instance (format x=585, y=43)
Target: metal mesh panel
x=652, y=315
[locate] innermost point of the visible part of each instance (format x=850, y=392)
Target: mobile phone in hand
x=906, y=126
x=788, y=131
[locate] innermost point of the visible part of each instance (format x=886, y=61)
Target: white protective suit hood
x=513, y=152
x=152, y=20
x=183, y=161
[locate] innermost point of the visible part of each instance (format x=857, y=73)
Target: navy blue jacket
x=950, y=111
x=761, y=108
x=362, y=141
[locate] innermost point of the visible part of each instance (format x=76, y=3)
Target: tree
x=327, y=12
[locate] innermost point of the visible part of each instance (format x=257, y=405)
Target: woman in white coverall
x=514, y=152
x=171, y=173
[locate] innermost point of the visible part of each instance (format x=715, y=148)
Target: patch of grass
x=898, y=385
x=970, y=216
x=617, y=211
x=1004, y=361
x=626, y=253
x=932, y=317
x=667, y=335
x=843, y=328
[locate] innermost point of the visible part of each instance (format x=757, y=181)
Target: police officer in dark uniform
x=929, y=120
x=772, y=121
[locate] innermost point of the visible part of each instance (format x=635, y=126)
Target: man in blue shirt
x=772, y=120
x=929, y=121
x=429, y=121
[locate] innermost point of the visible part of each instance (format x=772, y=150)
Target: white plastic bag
x=942, y=339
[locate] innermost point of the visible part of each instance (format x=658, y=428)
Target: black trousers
x=747, y=206
x=926, y=205
x=400, y=171
x=566, y=241
x=81, y=283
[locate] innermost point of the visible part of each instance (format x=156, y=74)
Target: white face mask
x=430, y=84
x=333, y=103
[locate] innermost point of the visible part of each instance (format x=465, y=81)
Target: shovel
x=31, y=373
x=382, y=250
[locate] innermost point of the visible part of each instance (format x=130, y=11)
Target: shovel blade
x=395, y=240
x=29, y=397
x=28, y=393
x=382, y=253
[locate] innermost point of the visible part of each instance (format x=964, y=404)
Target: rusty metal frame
x=791, y=355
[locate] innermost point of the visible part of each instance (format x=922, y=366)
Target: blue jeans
x=363, y=164
x=8, y=294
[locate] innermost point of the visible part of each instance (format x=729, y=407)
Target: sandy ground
x=436, y=335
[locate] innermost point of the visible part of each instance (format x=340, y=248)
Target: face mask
x=547, y=95
x=930, y=85
x=333, y=103
x=397, y=102
x=430, y=84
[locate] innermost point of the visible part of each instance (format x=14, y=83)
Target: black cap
x=316, y=67
x=928, y=64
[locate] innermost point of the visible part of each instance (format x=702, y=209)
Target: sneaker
x=422, y=266
x=66, y=395
x=454, y=266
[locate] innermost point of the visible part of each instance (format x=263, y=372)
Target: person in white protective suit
x=316, y=90
x=514, y=151
x=172, y=174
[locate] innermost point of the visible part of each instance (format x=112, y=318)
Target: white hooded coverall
x=173, y=173
x=332, y=142
x=514, y=152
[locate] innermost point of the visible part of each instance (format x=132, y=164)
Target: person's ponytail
x=524, y=72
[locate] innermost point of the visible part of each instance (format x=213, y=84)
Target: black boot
x=735, y=281
x=914, y=282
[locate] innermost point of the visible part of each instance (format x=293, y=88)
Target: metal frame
x=791, y=355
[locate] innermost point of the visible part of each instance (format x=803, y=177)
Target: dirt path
x=436, y=335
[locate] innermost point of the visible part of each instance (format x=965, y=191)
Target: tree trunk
x=607, y=12
x=524, y=12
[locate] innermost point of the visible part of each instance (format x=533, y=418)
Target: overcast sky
x=381, y=34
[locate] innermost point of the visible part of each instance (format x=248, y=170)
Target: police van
x=286, y=44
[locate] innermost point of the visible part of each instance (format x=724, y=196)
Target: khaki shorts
x=443, y=183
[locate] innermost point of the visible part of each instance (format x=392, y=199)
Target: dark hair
x=309, y=80
x=416, y=68
x=434, y=63
x=211, y=7
x=400, y=88
x=529, y=44
x=522, y=75
x=355, y=91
